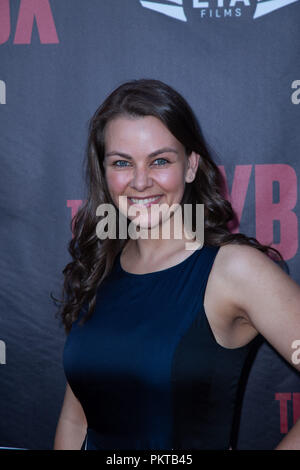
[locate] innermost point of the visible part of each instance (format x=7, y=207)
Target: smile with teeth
x=144, y=202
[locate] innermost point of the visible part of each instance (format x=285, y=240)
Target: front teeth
x=144, y=201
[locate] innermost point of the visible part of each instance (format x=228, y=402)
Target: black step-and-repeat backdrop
x=237, y=63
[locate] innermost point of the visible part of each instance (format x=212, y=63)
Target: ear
x=192, y=166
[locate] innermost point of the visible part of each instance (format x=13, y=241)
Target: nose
x=141, y=179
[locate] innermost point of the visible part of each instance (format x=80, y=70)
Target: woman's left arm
x=270, y=301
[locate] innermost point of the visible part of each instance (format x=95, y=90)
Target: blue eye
x=119, y=161
x=125, y=162
x=161, y=159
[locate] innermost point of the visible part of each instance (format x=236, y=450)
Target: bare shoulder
x=233, y=265
x=258, y=291
x=243, y=258
x=244, y=268
x=236, y=262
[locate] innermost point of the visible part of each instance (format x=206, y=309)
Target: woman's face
x=144, y=160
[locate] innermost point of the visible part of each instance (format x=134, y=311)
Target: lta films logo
x=215, y=8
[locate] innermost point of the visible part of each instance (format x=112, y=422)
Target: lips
x=144, y=197
x=146, y=201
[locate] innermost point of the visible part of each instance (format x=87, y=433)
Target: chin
x=146, y=225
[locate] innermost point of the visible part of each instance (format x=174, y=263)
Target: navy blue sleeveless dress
x=146, y=367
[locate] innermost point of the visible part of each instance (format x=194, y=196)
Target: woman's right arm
x=72, y=425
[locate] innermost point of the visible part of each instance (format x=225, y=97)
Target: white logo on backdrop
x=2, y=352
x=295, y=97
x=2, y=92
x=175, y=8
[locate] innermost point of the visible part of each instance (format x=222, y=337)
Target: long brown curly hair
x=92, y=257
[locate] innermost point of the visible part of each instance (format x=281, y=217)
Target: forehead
x=135, y=132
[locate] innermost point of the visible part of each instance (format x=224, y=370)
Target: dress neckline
x=179, y=265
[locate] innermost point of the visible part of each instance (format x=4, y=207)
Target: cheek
x=171, y=180
x=116, y=182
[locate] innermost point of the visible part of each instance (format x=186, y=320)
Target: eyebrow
x=153, y=154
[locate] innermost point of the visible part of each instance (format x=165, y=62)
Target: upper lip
x=145, y=197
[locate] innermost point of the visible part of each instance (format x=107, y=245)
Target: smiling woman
x=160, y=339
x=141, y=178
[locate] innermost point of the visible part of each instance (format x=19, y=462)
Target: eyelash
x=117, y=161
